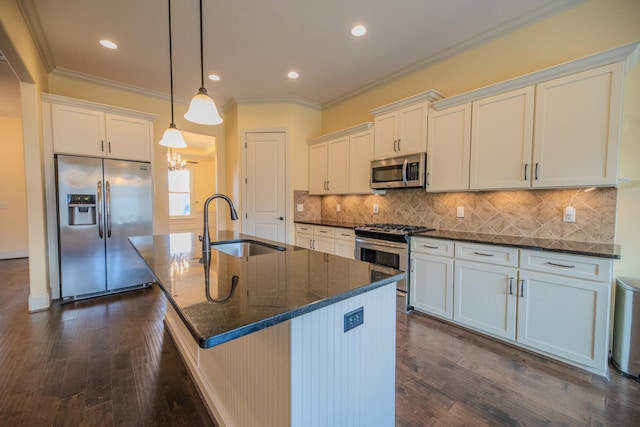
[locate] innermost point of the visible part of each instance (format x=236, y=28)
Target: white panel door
x=412, y=129
x=432, y=284
x=78, y=131
x=360, y=156
x=127, y=138
x=265, y=185
x=318, y=157
x=501, y=139
x=386, y=136
x=338, y=166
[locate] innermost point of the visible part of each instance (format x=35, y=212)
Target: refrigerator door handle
x=100, y=224
x=108, y=203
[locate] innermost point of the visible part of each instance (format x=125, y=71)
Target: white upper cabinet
x=92, y=132
x=401, y=132
x=448, y=146
x=401, y=127
x=577, y=125
x=340, y=163
x=360, y=156
x=501, y=140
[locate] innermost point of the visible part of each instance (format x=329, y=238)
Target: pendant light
x=172, y=137
x=202, y=109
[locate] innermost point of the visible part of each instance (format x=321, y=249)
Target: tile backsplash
x=526, y=213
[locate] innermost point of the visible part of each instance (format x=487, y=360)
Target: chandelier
x=175, y=161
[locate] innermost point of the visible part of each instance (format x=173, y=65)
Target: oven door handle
x=372, y=243
x=404, y=172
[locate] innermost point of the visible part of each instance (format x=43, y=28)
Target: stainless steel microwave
x=399, y=172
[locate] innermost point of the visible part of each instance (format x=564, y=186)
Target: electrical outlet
x=300, y=207
x=338, y=207
x=4, y=205
x=353, y=318
x=460, y=212
x=376, y=209
x=569, y=214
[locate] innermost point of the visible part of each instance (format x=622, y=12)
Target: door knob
x=281, y=218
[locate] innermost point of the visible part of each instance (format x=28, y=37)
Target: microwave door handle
x=404, y=172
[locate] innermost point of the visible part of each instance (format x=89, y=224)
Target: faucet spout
x=206, y=240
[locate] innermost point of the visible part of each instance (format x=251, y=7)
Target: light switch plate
x=300, y=207
x=460, y=212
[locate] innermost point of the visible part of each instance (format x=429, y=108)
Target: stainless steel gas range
x=387, y=246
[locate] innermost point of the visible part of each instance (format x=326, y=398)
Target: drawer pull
x=322, y=231
x=481, y=254
x=345, y=235
x=560, y=265
x=430, y=247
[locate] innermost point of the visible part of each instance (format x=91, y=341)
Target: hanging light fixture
x=175, y=161
x=172, y=137
x=202, y=109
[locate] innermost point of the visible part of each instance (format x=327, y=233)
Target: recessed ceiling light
x=358, y=30
x=108, y=44
x=293, y=75
x=214, y=77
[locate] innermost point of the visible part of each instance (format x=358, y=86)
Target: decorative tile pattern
x=311, y=204
x=526, y=213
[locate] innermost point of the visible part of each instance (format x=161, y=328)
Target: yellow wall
x=13, y=219
x=589, y=28
x=299, y=121
x=21, y=53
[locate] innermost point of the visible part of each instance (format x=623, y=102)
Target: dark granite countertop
x=328, y=223
x=601, y=250
x=246, y=294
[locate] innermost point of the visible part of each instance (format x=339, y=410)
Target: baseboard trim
x=14, y=254
x=39, y=302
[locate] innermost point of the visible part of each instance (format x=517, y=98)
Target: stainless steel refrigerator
x=101, y=203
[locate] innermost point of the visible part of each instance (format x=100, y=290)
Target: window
x=180, y=192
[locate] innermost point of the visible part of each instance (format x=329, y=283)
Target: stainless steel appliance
x=399, y=172
x=387, y=246
x=101, y=203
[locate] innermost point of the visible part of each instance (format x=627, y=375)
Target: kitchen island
x=273, y=337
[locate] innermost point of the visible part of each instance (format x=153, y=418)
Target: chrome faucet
x=206, y=240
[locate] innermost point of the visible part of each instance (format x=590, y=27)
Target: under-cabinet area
x=551, y=303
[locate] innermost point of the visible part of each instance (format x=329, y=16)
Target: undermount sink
x=244, y=248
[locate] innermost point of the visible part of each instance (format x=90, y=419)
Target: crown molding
x=430, y=95
x=340, y=133
x=73, y=102
x=532, y=17
x=63, y=72
x=275, y=100
x=32, y=19
x=628, y=52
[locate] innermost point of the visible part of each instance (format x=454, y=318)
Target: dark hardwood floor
x=110, y=361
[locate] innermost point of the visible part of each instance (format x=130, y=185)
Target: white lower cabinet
x=331, y=240
x=484, y=298
x=551, y=303
x=431, y=277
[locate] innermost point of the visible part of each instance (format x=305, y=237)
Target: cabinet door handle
x=395, y=143
x=428, y=178
x=413, y=265
x=535, y=173
x=399, y=149
x=510, y=285
x=522, y=288
x=560, y=265
x=109, y=146
x=481, y=254
x=526, y=166
x=102, y=146
x=328, y=187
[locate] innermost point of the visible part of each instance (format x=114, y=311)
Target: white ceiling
x=252, y=44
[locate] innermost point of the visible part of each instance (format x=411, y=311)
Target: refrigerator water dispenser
x=82, y=209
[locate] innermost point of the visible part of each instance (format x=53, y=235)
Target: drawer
x=322, y=231
x=582, y=267
x=303, y=228
x=432, y=246
x=345, y=234
x=490, y=254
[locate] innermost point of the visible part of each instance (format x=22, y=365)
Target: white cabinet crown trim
x=430, y=95
x=628, y=51
x=340, y=133
x=63, y=100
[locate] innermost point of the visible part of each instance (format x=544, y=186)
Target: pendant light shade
x=172, y=137
x=202, y=109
